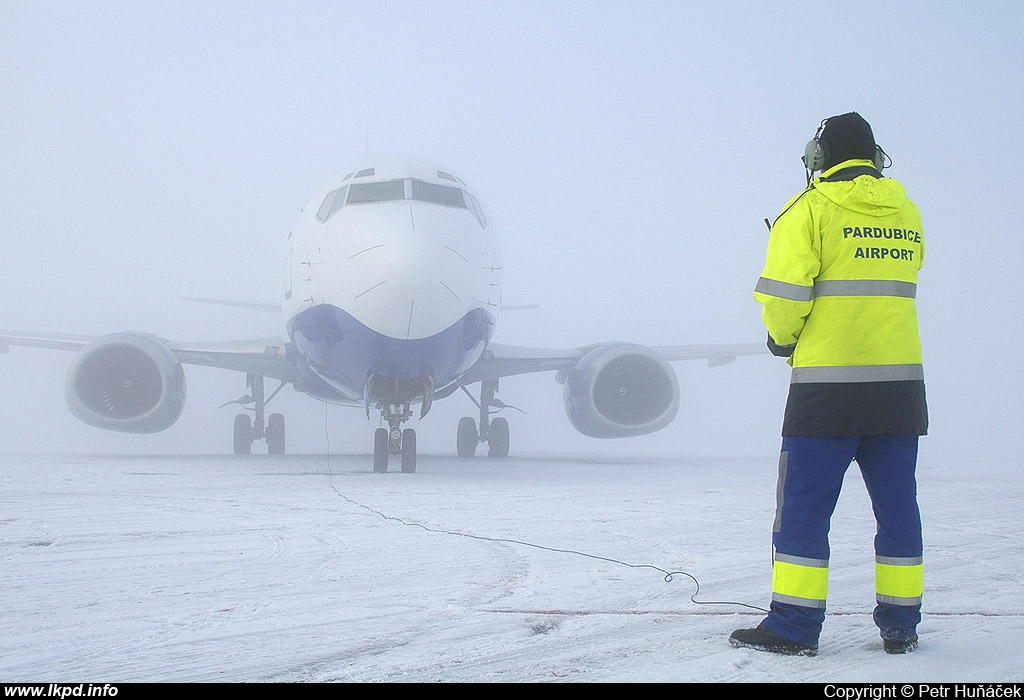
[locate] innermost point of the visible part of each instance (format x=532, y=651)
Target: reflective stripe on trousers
x=800, y=581
x=899, y=580
x=811, y=471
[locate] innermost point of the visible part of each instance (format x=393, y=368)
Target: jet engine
x=127, y=382
x=621, y=390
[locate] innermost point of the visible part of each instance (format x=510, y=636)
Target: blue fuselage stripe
x=332, y=346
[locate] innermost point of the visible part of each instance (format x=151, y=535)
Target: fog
x=629, y=153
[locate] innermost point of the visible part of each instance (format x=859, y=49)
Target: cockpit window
x=324, y=212
x=478, y=211
x=332, y=203
x=397, y=190
x=339, y=201
x=321, y=213
x=438, y=194
x=365, y=193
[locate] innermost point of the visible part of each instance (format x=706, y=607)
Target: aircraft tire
x=498, y=438
x=467, y=438
x=275, y=434
x=380, y=450
x=408, y=450
x=243, y=434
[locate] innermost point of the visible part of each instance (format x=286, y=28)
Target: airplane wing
x=49, y=341
x=715, y=354
x=265, y=307
x=266, y=356
x=507, y=360
x=261, y=356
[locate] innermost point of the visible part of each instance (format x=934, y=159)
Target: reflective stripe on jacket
x=839, y=283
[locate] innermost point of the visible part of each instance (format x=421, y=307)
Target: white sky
x=629, y=151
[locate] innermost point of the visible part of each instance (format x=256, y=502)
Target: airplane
x=392, y=293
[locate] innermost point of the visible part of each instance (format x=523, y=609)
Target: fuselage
x=393, y=283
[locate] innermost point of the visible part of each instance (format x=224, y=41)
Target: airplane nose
x=418, y=291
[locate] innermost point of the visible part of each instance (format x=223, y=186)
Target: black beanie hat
x=848, y=136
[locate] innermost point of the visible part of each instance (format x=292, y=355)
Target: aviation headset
x=816, y=154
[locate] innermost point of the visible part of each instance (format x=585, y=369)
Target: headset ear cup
x=879, y=160
x=815, y=154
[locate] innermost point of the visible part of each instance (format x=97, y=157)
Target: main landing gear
x=260, y=426
x=393, y=440
x=492, y=431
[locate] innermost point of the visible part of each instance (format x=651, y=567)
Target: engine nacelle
x=128, y=382
x=621, y=390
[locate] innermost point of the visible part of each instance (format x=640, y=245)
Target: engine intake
x=127, y=382
x=621, y=390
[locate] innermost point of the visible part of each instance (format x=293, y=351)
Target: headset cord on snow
x=668, y=575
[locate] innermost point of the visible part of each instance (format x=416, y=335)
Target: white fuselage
x=393, y=272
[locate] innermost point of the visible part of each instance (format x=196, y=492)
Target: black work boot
x=764, y=639
x=900, y=646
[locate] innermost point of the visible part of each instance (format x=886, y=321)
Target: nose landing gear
x=394, y=440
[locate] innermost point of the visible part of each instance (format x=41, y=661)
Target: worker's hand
x=779, y=350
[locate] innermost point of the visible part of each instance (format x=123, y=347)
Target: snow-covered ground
x=308, y=568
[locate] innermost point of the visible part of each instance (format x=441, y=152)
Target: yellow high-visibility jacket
x=839, y=284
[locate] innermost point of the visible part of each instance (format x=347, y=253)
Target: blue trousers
x=811, y=471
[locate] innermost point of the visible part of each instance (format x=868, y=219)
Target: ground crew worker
x=838, y=291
